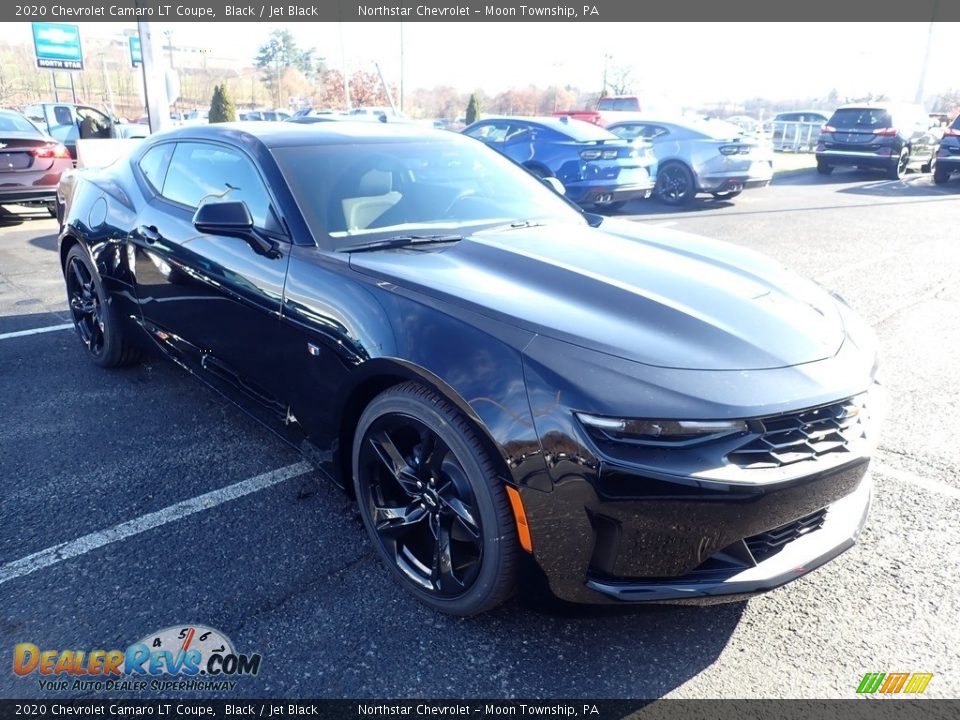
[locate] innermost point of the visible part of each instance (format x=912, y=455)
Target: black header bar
x=583, y=11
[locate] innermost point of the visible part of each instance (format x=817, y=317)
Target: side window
x=154, y=163
x=491, y=132
x=628, y=132
x=652, y=132
x=203, y=172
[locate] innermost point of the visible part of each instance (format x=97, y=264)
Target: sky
x=687, y=63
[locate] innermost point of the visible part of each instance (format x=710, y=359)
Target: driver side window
x=204, y=172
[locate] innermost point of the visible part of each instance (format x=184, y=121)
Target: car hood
x=650, y=295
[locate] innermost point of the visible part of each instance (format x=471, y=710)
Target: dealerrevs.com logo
x=183, y=657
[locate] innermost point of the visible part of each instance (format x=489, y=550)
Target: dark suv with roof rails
x=948, y=155
x=884, y=136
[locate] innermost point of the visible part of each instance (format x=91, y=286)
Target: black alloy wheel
x=432, y=502
x=93, y=318
x=675, y=184
x=899, y=168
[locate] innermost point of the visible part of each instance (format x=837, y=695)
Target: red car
x=31, y=163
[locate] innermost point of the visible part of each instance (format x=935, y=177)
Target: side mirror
x=554, y=184
x=231, y=218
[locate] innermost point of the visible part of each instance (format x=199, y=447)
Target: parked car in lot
x=597, y=169
x=948, y=154
x=31, y=162
x=512, y=389
x=700, y=156
x=883, y=136
x=797, y=130
x=66, y=123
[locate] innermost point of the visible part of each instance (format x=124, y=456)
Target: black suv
x=948, y=156
x=885, y=136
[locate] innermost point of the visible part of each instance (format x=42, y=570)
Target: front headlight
x=659, y=432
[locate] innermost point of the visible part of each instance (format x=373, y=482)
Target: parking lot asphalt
x=110, y=465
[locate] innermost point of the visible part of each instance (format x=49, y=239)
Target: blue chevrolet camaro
x=597, y=169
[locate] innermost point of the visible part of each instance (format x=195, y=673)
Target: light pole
x=921, y=83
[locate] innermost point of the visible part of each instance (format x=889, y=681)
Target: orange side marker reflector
x=523, y=530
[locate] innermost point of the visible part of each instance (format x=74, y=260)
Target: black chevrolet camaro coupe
x=519, y=395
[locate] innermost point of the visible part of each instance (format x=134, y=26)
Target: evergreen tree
x=473, y=110
x=221, y=107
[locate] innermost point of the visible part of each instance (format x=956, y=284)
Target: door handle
x=150, y=234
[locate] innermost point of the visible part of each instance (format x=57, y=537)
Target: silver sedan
x=700, y=156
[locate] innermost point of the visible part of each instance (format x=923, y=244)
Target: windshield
x=352, y=194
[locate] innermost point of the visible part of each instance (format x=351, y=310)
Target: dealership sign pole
x=57, y=47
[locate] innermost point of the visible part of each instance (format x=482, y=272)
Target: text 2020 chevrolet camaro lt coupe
x=516, y=392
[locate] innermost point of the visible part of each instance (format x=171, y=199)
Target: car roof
x=291, y=134
x=881, y=105
x=560, y=124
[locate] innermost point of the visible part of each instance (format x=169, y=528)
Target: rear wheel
x=51, y=206
x=93, y=317
x=823, y=168
x=931, y=164
x=899, y=167
x=675, y=184
x=940, y=175
x=433, y=503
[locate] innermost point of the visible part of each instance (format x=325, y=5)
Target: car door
x=211, y=301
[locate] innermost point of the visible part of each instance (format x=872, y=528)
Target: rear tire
x=51, y=207
x=823, y=168
x=898, y=170
x=675, y=184
x=931, y=164
x=940, y=175
x=433, y=502
x=94, y=317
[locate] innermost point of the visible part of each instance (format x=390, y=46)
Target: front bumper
x=842, y=522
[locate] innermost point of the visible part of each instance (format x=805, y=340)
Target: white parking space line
x=172, y=513
x=35, y=331
x=918, y=480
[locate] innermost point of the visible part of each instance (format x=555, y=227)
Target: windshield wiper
x=401, y=241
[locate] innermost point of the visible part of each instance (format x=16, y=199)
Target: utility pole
x=921, y=84
x=401, y=67
x=107, y=85
x=343, y=65
x=154, y=81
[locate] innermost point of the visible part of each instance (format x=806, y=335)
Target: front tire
x=433, y=502
x=93, y=316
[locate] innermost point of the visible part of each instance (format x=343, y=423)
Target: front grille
x=802, y=436
x=769, y=543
